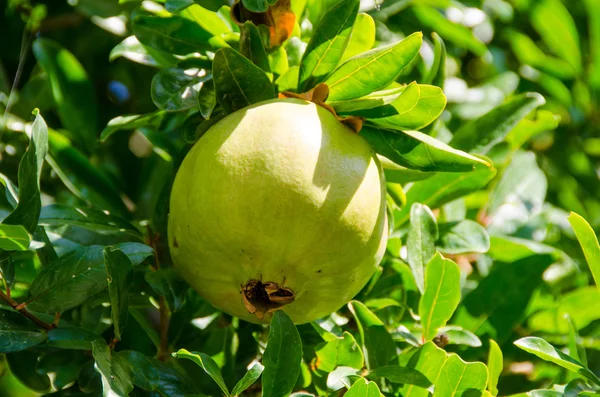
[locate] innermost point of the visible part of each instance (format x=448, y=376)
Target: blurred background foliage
x=548, y=165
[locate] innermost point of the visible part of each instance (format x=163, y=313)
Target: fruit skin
x=281, y=192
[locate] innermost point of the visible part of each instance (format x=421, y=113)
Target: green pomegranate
x=278, y=206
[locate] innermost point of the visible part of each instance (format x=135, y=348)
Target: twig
x=24, y=312
x=163, y=350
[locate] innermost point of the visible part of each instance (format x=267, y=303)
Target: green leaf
x=495, y=365
x=429, y=360
x=252, y=46
x=420, y=243
x=460, y=336
x=362, y=38
x=88, y=218
x=289, y=80
x=72, y=338
x=575, y=349
x=545, y=351
x=174, y=6
x=144, y=374
x=119, y=272
x=175, y=35
x=593, y=12
x=558, y=30
x=176, y=89
x=398, y=374
x=208, y=20
x=132, y=49
x=327, y=44
x=460, y=35
x=478, y=136
x=131, y=122
x=14, y=238
x=208, y=365
x=441, y=296
x=70, y=83
x=115, y=372
x=373, y=100
x=207, y=99
x=372, y=70
x=282, y=357
x=23, y=366
x=28, y=209
x=463, y=237
x=339, y=352
x=429, y=107
x=278, y=60
x=17, y=333
x=248, y=380
x=77, y=276
x=167, y=283
x=418, y=151
x=589, y=244
x=258, y=5
x=378, y=346
x=527, y=128
x=363, y=388
x=444, y=187
x=459, y=378
x=437, y=74
x=238, y=82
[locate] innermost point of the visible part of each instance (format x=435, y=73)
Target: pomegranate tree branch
x=24, y=311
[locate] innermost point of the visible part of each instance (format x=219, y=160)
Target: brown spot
x=175, y=244
x=262, y=298
x=319, y=271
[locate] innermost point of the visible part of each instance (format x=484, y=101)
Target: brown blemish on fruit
x=175, y=243
x=262, y=298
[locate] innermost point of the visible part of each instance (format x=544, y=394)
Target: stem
x=163, y=350
x=21, y=309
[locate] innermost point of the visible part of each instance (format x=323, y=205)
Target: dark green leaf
x=480, y=135
x=252, y=46
x=171, y=381
x=131, y=122
x=282, y=357
x=72, y=338
x=463, y=237
x=372, y=70
x=378, y=346
x=238, y=82
x=248, y=380
x=144, y=374
x=14, y=238
x=174, y=34
x=17, y=333
x=420, y=243
x=418, y=151
x=327, y=44
x=23, y=366
x=207, y=99
x=208, y=365
x=398, y=374
x=119, y=272
x=167, y=283
x=258, y=5
x=115, y=372
x=441, y=297
x=70, y=84
x=76, y=277
x=175, y=89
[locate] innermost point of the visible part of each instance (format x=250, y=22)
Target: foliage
x=485, y=118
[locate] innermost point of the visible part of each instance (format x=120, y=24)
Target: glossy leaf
x=208, y=20
x=23, y=366
x=429, y=360
x=207, y=364
x=589, y=244
x=378, y=346
x=131, y=122
x=119, y=272
x=459, y=378
x=443, y=188
x=76, y=277
x=372, y=70
x=362, y=38
x=248, y=380
x=132, y=49
x=167, y=283
x=175, y=89
x=463, y=237
x=144, y=374
x=327, y=44
x=14, y=238
x=404, y=99
x=282, y=357
x=339, y=352
x=252, y=46
x=72, y=338
x=258, y=5
x=495, y=365
x=441, y=297
x=207, y=99
x=70, y=84
x=238, y=82
x=28, y=209
x=547, y=352
x=17, y=333
x=420, y=243
x=437, y=73
x=373, y=100
x=418, y=151
x=529, y=127
x=403, y=375
x=114, y=371
x=480, y=135
x=363, y=388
